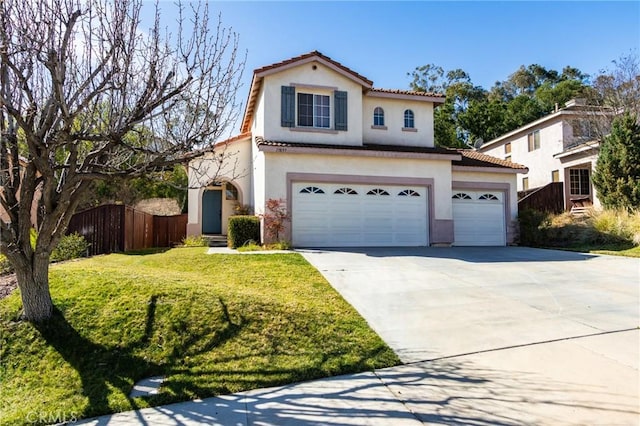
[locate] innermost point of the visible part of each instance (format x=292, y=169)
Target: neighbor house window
x=507, y=158
x=378, y=117
x=314, y=110
x=534, y=140
x=525, y=183
x=408, y=119
x=555, y=176
x=507, y=148
x=579, y=181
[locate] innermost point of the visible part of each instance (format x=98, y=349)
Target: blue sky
x=385, y=40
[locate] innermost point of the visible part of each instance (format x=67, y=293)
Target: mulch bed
x=8, y=283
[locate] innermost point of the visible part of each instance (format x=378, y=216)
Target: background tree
x=471, y=114
x=87, y=94
x=171, y=183
x=617, y=174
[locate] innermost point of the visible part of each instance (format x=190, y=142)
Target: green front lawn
x=212, y=324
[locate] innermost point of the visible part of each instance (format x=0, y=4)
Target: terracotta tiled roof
x=408, y=92
x=306, y=56
x=241, y=136
x=367, y=147
x=258, y=74
x=471, y=158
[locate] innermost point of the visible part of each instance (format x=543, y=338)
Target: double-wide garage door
x=348, y=215
x=478, y=218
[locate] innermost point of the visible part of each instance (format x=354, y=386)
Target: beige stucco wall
x=258, y=116
x=322, y=81
x=394, y=122
x=204, y=173
x=540, y=161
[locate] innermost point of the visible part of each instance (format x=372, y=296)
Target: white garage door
x=478, y=218
x=346, y=215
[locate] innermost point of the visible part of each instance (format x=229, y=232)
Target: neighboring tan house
x=354, y=165
x=560, y=147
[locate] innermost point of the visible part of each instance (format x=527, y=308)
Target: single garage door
x=347, y=215
x=478, y=218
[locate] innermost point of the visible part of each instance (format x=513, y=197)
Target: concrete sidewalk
x=562, y=382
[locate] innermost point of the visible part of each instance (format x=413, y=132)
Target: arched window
x=408, y=193
x=346, y=191
x=461, y=196
x=230, y=191
x=311, y=190
x=378, y=117
x=488, y=197
x=408, y=119
x=377, y=191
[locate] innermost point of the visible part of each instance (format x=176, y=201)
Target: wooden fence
x=113, y=228
x=548, y=198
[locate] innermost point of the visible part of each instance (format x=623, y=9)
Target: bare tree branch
x=87, y=94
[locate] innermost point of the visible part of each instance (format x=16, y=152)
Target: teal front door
x=212, y=212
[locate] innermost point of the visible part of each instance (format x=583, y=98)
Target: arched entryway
x=212, y=211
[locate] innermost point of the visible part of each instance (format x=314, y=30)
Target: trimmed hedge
x=243, y=230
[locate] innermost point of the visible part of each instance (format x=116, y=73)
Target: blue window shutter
x=340, y=115
x=288, y=107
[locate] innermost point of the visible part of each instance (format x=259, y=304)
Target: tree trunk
x=34, y=289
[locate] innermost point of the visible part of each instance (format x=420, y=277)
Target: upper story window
x=409, y=122
x=507, y=148
x=533, y=140
x=314, y=110
x=378, y=117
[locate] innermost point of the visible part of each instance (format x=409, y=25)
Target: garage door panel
x=357, y=215
x=478, y=218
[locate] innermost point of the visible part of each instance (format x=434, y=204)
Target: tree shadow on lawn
x=102, y=368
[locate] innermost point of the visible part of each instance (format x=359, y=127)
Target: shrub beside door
x=243, y=230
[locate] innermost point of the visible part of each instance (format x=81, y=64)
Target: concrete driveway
x=514, y=335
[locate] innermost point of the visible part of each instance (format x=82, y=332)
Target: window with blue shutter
x=288, y=107
x=340, y=115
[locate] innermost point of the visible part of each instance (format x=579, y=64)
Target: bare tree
x=86, y=94
x=619, y=87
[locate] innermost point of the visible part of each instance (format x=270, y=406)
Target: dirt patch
x=8, y=283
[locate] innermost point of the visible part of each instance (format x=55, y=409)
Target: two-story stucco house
x=355, y=166
x=560, y=147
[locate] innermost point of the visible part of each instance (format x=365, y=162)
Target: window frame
x=525, y=183
x=507, y=148
x=533, y=140
x=378, y=117
x=317, y=108
x=231, y=193
x=409, y=119
x=581, y=186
